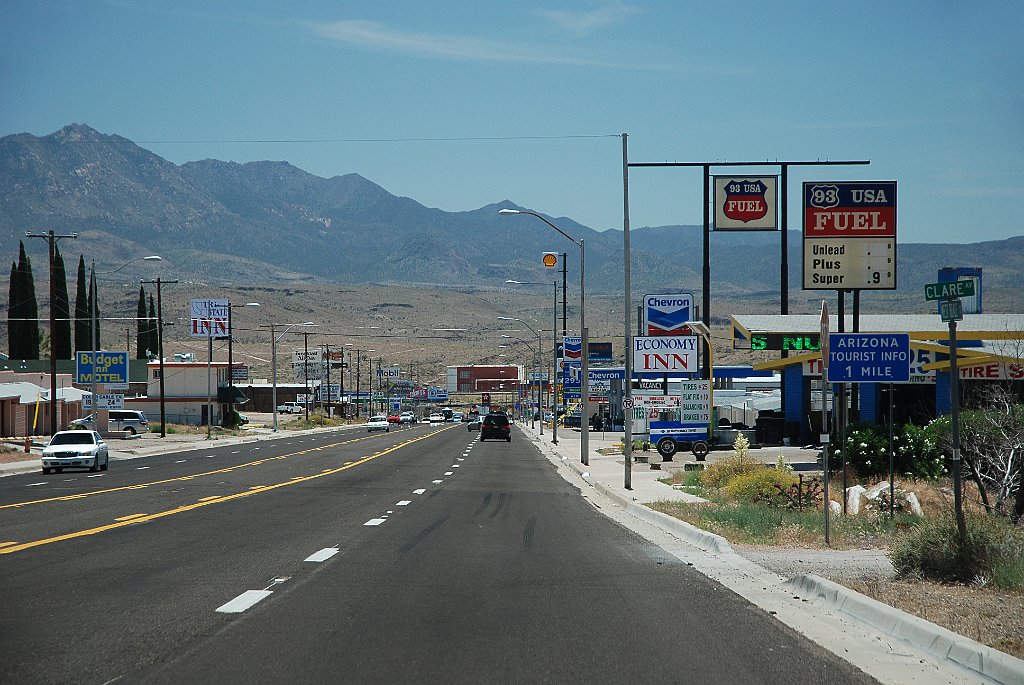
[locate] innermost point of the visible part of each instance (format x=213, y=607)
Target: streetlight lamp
x=533, y=396
x=273, y=356
x=231, y=365
x=95, y=324
x=552, y=384
x=540, y=376
x=584, y=355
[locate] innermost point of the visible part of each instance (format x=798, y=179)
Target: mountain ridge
x=270, y=220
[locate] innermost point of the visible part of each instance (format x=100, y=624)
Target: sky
x=462, y=104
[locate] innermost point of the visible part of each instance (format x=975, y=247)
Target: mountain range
x=271, y=222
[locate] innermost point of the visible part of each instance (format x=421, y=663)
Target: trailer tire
x=700, y=450
x=667, y=447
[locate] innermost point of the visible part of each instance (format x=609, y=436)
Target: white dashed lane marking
x=323, y=555
x=375, y=522
x=404, y=503
x=415, y=492
x=438, y=482
x=244, y=601
x=448, y=473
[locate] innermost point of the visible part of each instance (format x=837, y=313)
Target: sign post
x=825, y=432
x=949, y=294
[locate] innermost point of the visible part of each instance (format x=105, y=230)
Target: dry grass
x=987, y=615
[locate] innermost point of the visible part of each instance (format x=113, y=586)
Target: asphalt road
x=416, y=555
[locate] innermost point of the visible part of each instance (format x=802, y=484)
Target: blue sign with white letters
x=869, y=358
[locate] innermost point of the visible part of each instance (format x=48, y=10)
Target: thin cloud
x=376, y=36
x=584, y=23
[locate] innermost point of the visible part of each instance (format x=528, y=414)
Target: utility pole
x=305, y=371
x=160, y=352
x=51, y=239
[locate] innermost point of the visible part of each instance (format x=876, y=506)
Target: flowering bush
x=762, y=485
x=866, y=450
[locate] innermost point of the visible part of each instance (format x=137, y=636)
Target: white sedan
x=76, y=449
x=378, y=423
x=436, y=418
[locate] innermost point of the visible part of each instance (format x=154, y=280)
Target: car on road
x=456, y=417
x=394, y=418
x=129, y=421
x=496, y=426
x=75, y=449
x=473, y=424
x=436, y=418
x=407, y=417
x=378, y=422
x=290, y=408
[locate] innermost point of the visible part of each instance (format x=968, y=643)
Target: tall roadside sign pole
x=951, y=310
x=825, y=433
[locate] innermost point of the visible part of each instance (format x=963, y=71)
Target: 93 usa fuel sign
x=850, y=235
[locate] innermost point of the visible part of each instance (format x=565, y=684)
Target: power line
x=307, y=141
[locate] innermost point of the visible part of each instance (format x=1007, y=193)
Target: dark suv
x=496, y=426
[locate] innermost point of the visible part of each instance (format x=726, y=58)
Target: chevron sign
x=668, y=314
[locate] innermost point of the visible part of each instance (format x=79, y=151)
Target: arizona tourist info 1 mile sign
x=850, y=235
x=868, y=358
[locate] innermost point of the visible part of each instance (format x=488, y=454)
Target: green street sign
x=951, y=310
x=950, y=289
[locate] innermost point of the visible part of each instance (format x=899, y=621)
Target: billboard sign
x=239, y=373
x=746, y=203
x=388, y=372
x=665, y=354
x=209, y=318
x=849, y=235
x=868, y=358
x=110, y=367
x=668, y=314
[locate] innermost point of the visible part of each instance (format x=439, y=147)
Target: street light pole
x=584, y=343
x=160, y=352
x=231, y=362
x=552, y=385
x=273, y=356
x=95, y=325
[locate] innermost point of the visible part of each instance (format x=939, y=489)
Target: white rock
x=854, y=497
x=874, y=491
x=914, y=504
x=835, y=507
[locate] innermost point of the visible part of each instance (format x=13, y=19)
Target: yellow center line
x=129, y=517
x=6, y=544
x=18, y=547
x=178, y=479
x=207, y=499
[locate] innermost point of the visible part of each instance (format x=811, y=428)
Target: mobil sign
x=667, y=314
x=665, y=354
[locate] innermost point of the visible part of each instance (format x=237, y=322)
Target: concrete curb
x=921, y=634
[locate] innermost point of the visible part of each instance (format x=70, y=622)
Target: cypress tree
x=154, y=336
x=60, y=337
x=83, y=322
x=27, y=295
x=142, y=326
x=94, y=308
x=15, y=311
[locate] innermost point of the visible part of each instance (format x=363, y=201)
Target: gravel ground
x=987, y=615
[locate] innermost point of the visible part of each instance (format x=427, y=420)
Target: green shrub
x=762, y=485
x=931, y=550
x=866, y=450
x=718, y=474
x=918, y=454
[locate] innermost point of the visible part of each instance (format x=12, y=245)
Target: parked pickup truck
x=290, y=408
